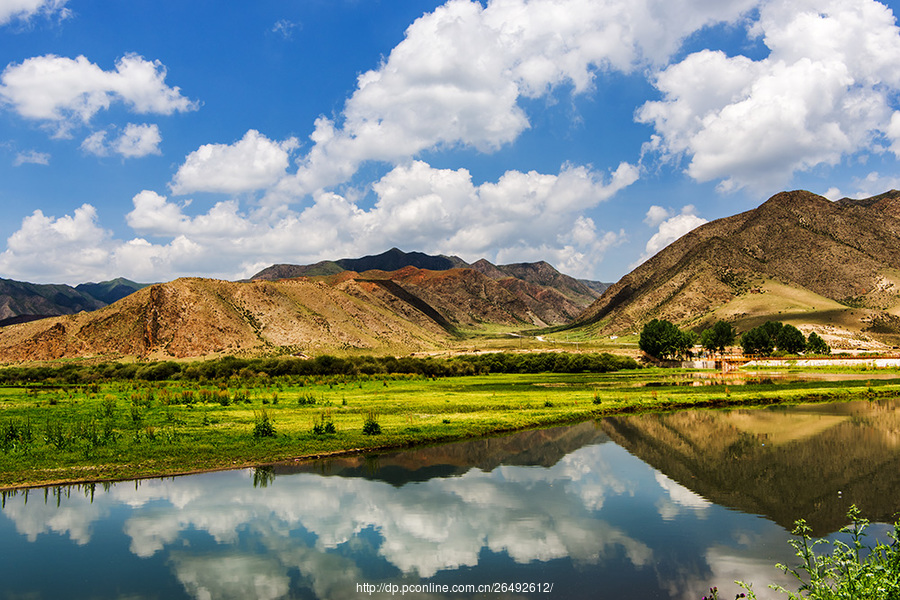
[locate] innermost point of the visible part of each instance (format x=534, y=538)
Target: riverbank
x=127, y=429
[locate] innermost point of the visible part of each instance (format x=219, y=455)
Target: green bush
x=324, y=424
x=263, y=427
x=16, y=433
x=306, y=399
x=371, y=425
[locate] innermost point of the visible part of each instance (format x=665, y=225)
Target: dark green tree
x=717, y=337
x=816, y=345
x=757, y=341
x=772, y=329
x=790, y=340
x=662, y=339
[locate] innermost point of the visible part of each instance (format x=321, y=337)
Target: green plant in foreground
x=324, y=424
x=306, y=399
x=371, y=425
x=851, y=572
x=16, y=433
x=264, y=426
x=714, y=594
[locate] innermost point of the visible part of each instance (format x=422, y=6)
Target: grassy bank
x=124, y=429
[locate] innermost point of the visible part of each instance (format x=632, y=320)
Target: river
x=652, y=506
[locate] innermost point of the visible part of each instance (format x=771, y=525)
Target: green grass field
x=127, y=429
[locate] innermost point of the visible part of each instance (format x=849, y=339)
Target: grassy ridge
x=125, y=429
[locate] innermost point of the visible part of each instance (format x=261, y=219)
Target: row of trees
x=251, y=369
x=663, y=339
x=772, y=335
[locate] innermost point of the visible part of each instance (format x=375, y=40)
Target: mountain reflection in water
x=782, y=462
x=664, y=512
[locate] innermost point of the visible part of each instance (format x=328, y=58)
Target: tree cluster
x=773, y=335
x=662, y=339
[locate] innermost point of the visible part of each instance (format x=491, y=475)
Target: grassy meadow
x=61, y=432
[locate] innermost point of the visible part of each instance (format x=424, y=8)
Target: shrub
x=108, y=409
x=845, y=573
x=59, y=436
x=222, y=397
x=144, y=399
x=263, y=427
x=137, y=414
x=16, y=433
x=371, y=425
x=307, y=398
x=324, y=424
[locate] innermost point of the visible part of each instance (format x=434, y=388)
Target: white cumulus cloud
x=11, y=10
x=656, y=215
x=670, y=229
x=822, y=93
x=253, y=162
x=64, y=92
x=68, y=248
x=458, y=75
x=138, y=140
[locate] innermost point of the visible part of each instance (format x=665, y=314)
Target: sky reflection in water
x=564, y=506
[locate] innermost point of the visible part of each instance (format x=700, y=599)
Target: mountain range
x=579, y=291
x=832, y=267
x=322, y=307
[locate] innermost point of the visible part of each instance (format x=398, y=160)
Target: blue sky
x=153, y=140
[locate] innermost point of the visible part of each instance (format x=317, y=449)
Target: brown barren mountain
x=198, y=317
x=468, y=298
x=542, y=274
x=400, y=311
x=554, y=298
x=797, y=258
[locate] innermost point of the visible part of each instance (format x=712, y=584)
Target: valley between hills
x=829, y=267
x=197, y=374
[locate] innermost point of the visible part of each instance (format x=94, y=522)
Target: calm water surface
x=655, y=506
